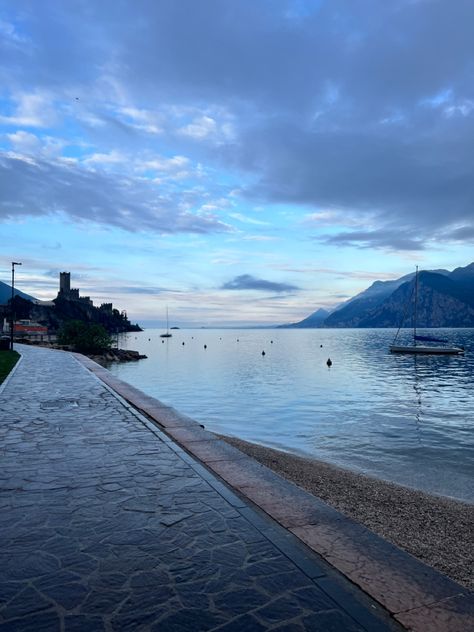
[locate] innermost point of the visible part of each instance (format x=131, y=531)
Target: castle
x=72, y=294
x=65, y=291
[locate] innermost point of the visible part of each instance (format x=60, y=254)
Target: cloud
x=249, y=282
x=40, y=187
x=31, y=110
x=463, y=234
x=131, y=289
x=245, y=219
x=321, y=105
x=391, y=239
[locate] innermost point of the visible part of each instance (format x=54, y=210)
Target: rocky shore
x=116, y=355
x=437, y=530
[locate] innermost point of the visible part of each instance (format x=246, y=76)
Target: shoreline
x=435, y=529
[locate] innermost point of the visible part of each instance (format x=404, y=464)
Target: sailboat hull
x=427, y=350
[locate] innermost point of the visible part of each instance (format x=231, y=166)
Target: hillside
x=63, y=309
x=313, y=320
x=6, y=294
x=445, y=299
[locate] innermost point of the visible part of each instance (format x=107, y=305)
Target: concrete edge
x=416, y=595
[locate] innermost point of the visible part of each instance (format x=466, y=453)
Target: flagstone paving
x=106, y=524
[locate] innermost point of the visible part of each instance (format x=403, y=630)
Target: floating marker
x=182, y=344
x=205, y=346
x=329, y=363
x=271, y=342
x=263, y=352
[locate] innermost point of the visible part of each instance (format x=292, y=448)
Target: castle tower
x=65, y=282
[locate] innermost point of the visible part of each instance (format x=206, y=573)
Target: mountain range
x=445, y=299
x=6, y=294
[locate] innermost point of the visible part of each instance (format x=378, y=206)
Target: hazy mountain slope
x=6, y=293
x=313, y=320
x=445, y=299
x=442, y=302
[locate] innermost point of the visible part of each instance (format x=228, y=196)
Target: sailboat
x=167, y=334
x=423, y=348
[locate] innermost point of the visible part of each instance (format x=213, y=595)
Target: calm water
x=402, y=418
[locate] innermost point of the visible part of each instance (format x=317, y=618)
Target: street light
x=14, y=263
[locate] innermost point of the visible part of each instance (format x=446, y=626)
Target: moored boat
x=423, y=348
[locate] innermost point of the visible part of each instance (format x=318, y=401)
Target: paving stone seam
x=309, y=534
x=371, y=615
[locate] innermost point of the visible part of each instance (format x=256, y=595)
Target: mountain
x=463, y=274
x=442, y=302
x=377, y=291
x=445, y=299
x=313, y=320
x=6, y=294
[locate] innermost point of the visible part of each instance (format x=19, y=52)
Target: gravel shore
x=436, y=530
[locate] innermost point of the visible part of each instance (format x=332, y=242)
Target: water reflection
x=401, y=417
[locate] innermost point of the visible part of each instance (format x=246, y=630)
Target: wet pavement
x=107, y=524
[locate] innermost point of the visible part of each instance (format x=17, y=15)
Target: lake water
x=402, y=418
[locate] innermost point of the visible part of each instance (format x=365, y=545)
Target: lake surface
x=402, y=418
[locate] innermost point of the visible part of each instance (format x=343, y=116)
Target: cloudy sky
x=240, y=161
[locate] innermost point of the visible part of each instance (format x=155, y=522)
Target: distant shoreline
x=435, y=529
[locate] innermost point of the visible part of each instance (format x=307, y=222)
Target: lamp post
x=14, y=263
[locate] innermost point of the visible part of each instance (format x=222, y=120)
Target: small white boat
x=167, y=334
x=426, y=349
x=423, y=348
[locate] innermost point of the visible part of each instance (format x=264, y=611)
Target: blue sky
x=241, y=162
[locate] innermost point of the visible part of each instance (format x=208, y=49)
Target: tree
x=84, y=337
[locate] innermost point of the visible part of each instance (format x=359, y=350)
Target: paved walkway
x=106, y=524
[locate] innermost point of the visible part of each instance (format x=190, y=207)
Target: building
x=68, y=293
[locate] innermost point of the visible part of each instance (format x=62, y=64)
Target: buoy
x=237, y=340
x=271, y=342
x=162, y=342
x=321, y=346
x=329, y=363
x=263, y=352
x=205, y=346
x=149, y=339
x=182, y=344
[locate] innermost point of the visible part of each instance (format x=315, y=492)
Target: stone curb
x=416, y=595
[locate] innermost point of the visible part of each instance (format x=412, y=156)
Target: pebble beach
x=438, y=531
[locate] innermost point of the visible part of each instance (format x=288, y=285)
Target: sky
x=238, y=161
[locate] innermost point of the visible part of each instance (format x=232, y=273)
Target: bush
x=84, y=337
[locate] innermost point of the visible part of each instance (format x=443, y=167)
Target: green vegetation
x=84, y=337
x=8, y=359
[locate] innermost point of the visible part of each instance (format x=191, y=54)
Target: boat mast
x=415, y=315
x=167, y=326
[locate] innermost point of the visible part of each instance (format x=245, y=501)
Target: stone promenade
x=107, y=524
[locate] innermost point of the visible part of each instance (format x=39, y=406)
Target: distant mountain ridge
x=6, y=294
x=445, y=299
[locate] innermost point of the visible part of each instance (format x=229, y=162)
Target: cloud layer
x=249, y=282
x=361, y=108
